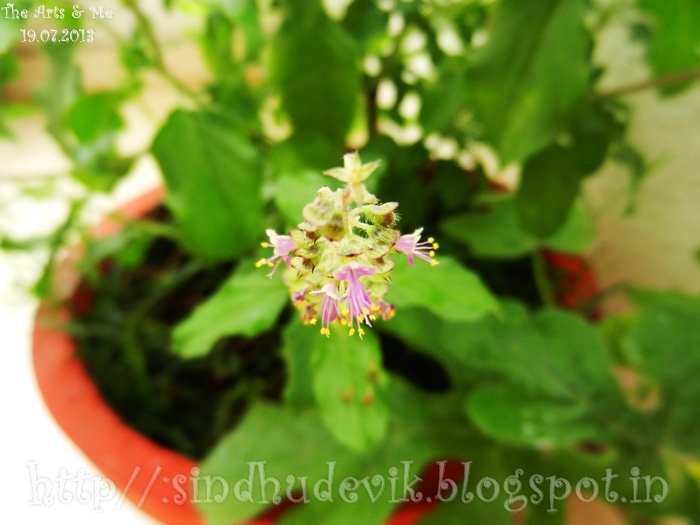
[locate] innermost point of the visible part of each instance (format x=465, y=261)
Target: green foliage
x=496, y=232
x=345, y=377
x=675, y=37
x=448, y=290
x=9, y=28
x=554, y=174
x=314, y=66
x=350, y=388
x=554, y=382
x=665, y=346
x=94, y=115
x=213, y=175
x=247, y=304
x=527, y=85
x=294, y=443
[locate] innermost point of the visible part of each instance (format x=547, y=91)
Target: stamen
x=313, y=321
x=260, y=263
x=351, y=332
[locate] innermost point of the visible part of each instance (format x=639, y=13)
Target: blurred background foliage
x=487, y=117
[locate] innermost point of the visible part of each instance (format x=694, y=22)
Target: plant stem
x=544, y=286
x=669, y=80
x=159, y=63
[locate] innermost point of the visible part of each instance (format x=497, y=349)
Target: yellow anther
x=344, y=322
x=346, y=311
x=433, y=263
x=301, y=304
x=260, y=263
x=264, y=244
x=360, y=331
x=375, y=307
x=365, y=311
x=326, y=332
x=270, y=264
x=313, y=321
x=435, y=246
x=372, y=317
x=431, y=253
x=351, y=332
x=431, y=239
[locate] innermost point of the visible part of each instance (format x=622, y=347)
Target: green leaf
x=541, y=380
x=551, y=178
x=665, y=346
x=449, y=290
x=675, y=37
x=506, y=412
x=245, y=14
x=644, y=298
x=295, y=443
x=217, y=45
x=445, y=98
x=496, y=232
x=314, y=65
x=557, y=386
x=297, y=341
x=95, y=115
x=365, y=22
x=350, y=387
x=213, y=176
x=9, y=28
x=291, y=443
x=247, y=304
x=550, y=185
x=529, y=80
x=61, y=89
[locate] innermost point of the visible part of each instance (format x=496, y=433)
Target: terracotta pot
x=135, y=464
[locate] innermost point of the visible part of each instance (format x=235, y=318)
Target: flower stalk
x=338, y=260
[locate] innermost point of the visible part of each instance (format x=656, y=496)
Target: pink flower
x=282, y=244
x=358, y=306
x=329, y=306
x=409, y=245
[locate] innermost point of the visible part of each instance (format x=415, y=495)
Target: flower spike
x=338, y=260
